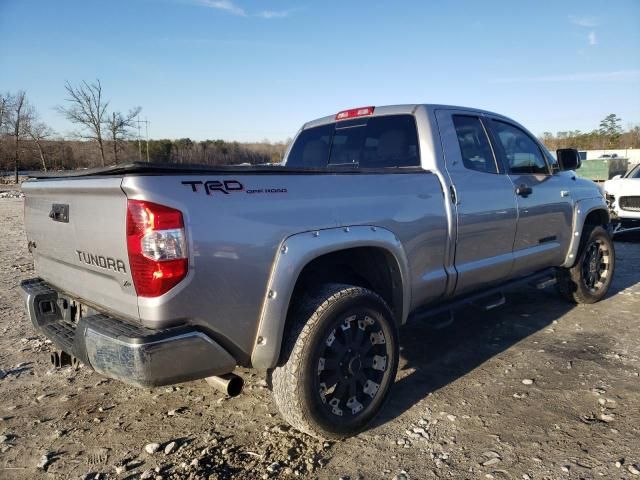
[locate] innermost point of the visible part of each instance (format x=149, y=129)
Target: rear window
x=375, y=142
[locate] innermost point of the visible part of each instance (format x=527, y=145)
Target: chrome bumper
x=132, y=353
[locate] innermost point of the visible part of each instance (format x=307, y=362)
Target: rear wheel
x=339, y=361
x=588, y=281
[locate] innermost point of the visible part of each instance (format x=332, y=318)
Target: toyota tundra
x=155, y=274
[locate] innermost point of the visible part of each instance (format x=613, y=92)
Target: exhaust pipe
x=62, y=359
x=230, y=384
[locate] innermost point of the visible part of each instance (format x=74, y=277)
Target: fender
x=581, y=210
x=294, y=254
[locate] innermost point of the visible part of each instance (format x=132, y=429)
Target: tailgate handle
x=59, y=213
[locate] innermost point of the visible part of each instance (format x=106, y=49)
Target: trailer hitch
x=61, y=359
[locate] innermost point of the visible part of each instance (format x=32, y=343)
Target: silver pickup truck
x=158, y=274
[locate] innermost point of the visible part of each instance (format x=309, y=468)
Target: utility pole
x=139, y=146
x=146, y=127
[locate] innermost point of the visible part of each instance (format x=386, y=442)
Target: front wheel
x=340, y=358
x=588, y=281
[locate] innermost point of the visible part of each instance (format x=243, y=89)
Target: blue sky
x=248, y=70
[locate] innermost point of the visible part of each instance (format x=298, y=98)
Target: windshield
x=373, y=142
x=633, y=173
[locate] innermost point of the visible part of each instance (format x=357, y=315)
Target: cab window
x=474, y=145
x=521, y=153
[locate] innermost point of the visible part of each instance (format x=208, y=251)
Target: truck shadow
x=433, y=358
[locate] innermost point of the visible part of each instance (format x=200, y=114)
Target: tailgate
x=76, y=229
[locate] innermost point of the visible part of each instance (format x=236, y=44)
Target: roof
x=408, y=108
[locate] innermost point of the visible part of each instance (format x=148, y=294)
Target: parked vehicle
x=623, y=196
x=157, y=274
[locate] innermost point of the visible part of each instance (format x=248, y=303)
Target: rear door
x=485, y=201
x=545, y=206
x=76, y=230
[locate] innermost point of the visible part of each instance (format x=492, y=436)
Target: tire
x=588, y=281
x=339, y=360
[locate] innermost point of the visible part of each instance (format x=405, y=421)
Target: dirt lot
x=537, y=389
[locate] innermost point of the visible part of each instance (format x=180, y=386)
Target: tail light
x=157, y=247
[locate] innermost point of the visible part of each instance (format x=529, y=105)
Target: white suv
x=623, y=196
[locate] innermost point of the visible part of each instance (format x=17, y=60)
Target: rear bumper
x=134, y=354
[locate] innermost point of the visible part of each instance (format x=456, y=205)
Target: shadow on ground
x=441, y=356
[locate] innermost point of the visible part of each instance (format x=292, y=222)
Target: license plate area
x=59, y=212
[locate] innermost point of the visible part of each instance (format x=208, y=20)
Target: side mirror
x=568, y=158
x=616, y=177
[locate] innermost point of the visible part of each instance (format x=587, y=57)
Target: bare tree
x=38, y=131
x=88, y=109
x=17, y=120
x=4, y=110
x=118, y=125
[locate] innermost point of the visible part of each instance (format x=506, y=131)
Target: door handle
x=565, y=193
x=454, y=196
x=523, y=190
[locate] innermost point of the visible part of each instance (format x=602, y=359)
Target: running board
x=487, y=299
x=490, y=302
x=545, y=282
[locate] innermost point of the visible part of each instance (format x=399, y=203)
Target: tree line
x=104, y=137
x=608, y=136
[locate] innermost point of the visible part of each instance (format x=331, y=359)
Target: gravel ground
x=537, y=389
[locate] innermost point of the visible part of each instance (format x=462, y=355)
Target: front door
x=545, y=207
x=484, y=200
